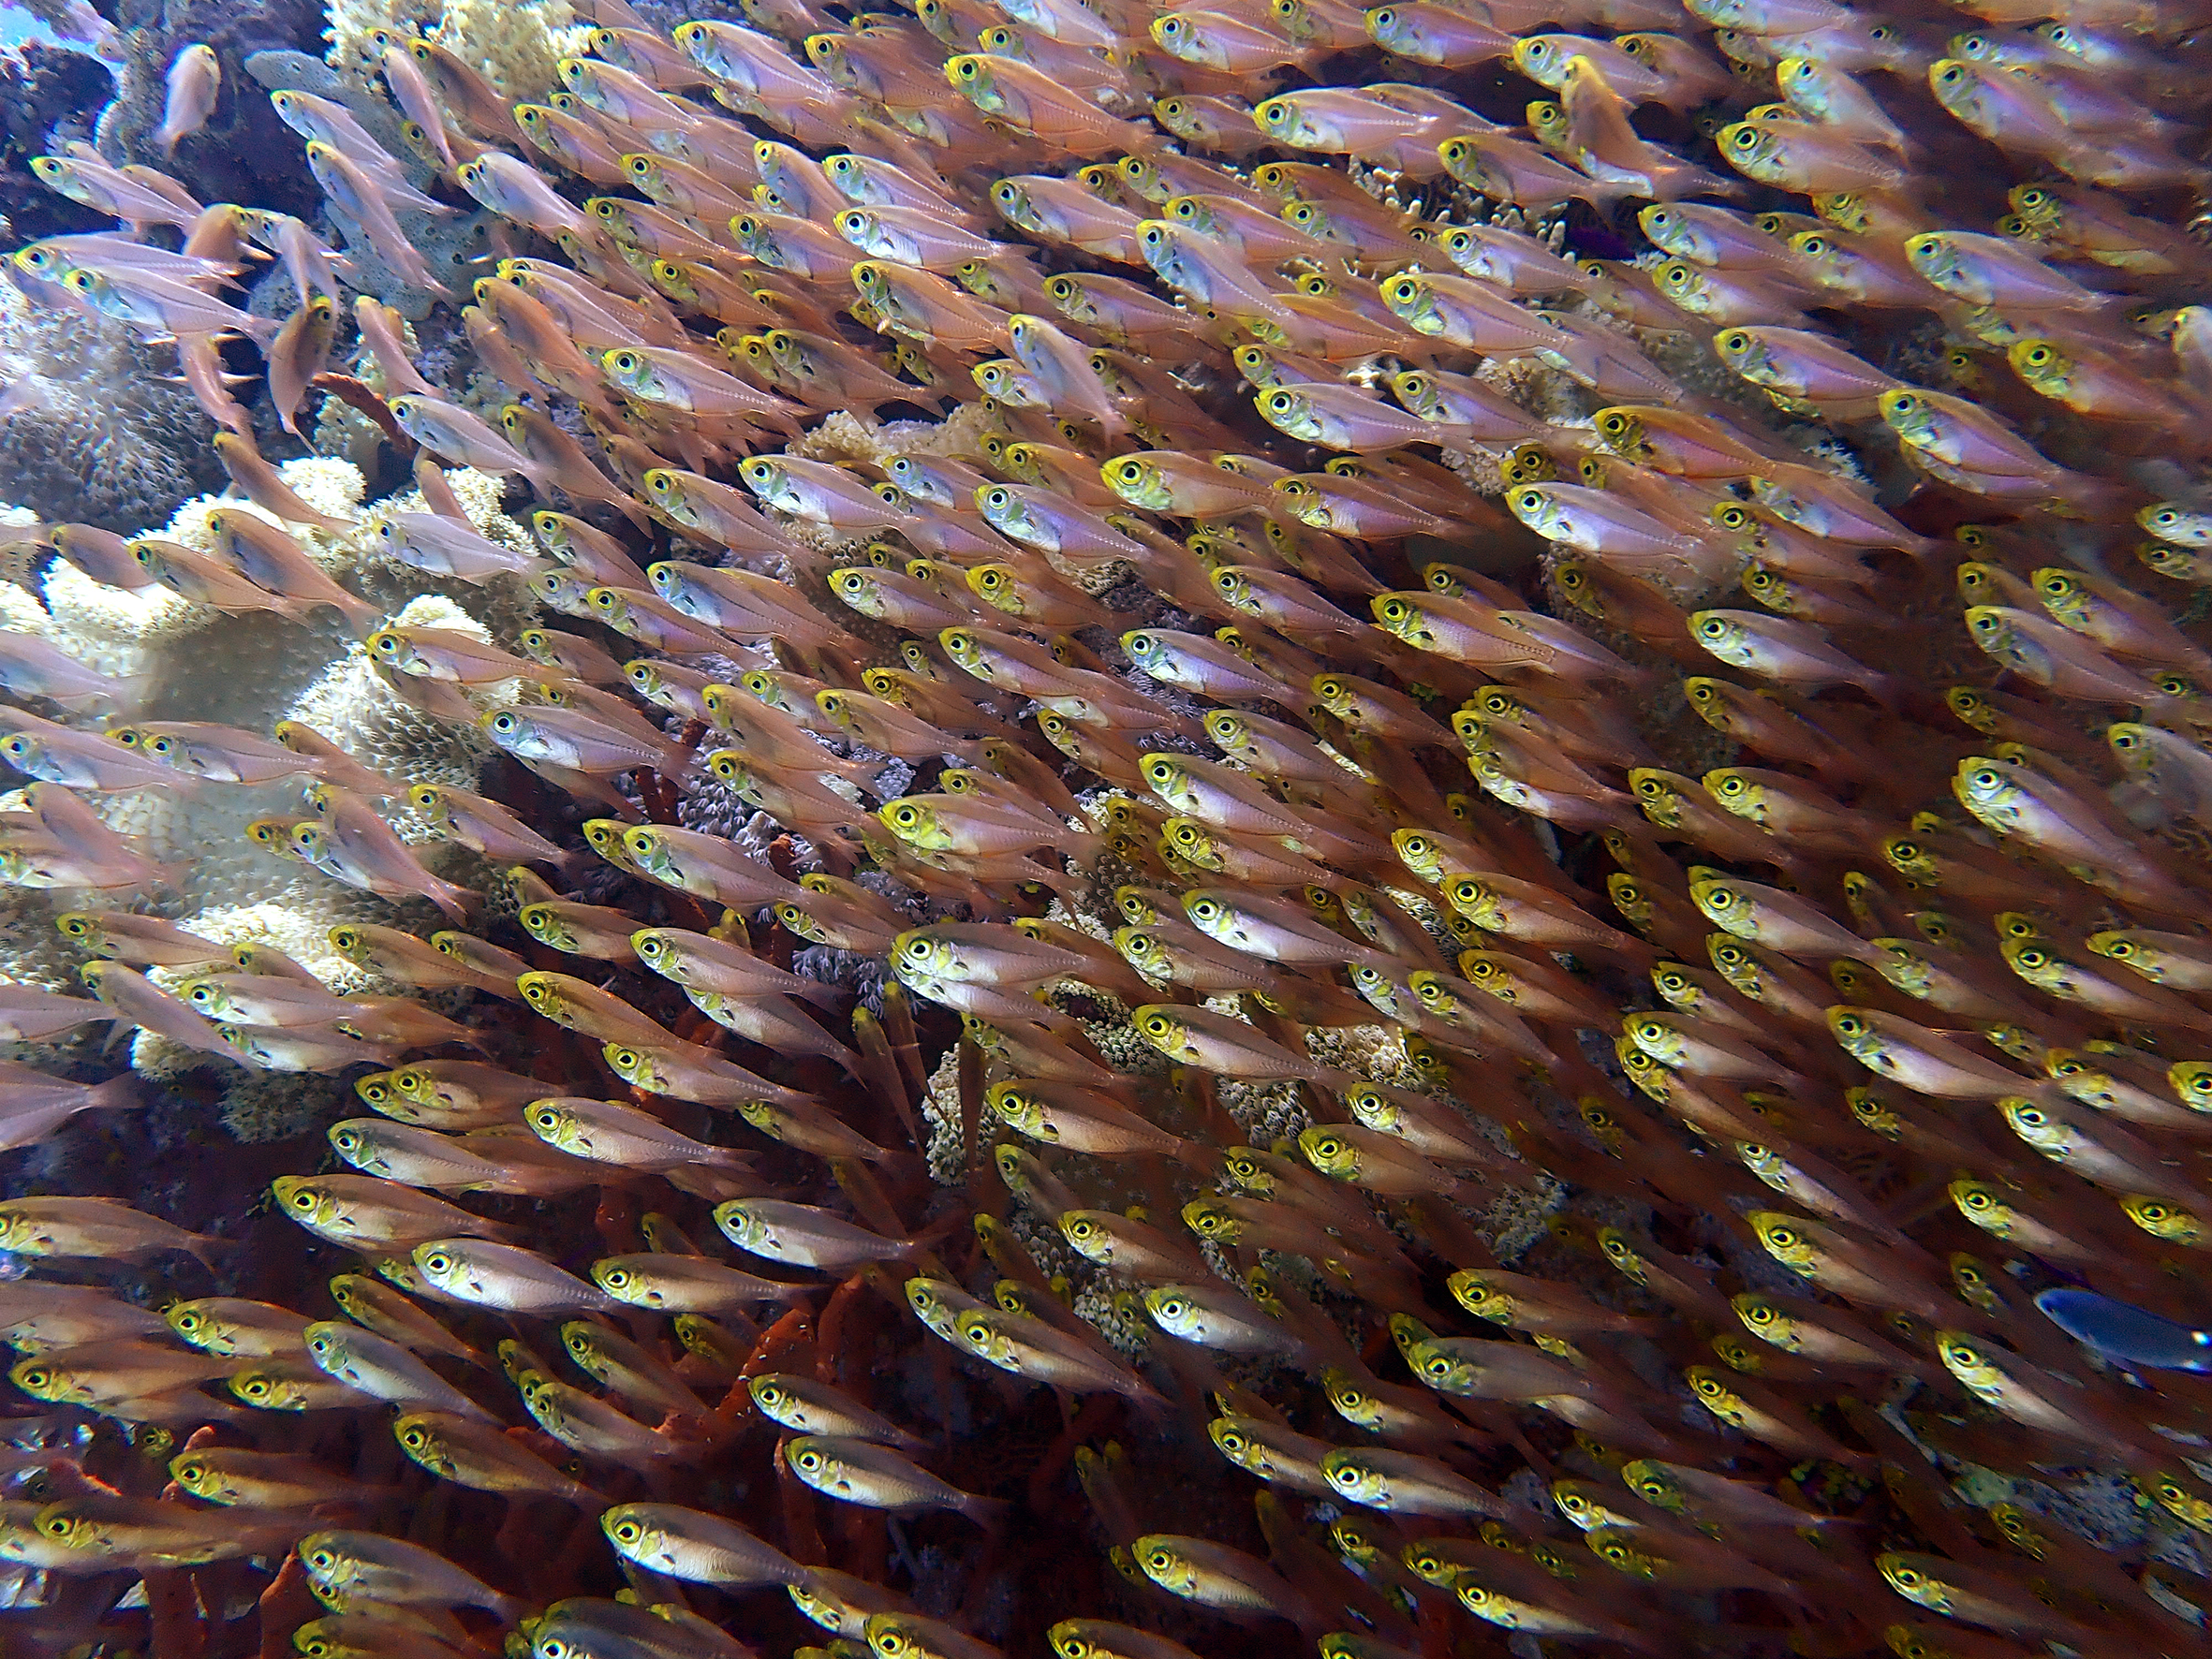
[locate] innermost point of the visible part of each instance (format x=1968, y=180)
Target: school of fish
x=1757, y=442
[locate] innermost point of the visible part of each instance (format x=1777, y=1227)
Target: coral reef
x=235, y=155
x=514, y=46
x=99, y=433
x=47, y=94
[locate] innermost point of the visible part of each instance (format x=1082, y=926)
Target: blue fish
x=2127, y=1334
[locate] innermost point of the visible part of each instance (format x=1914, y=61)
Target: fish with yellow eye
x=2166, y=1221
x=2093, y=1146
x=1587, y=1505
x=95, y=1529
x=1743, y=1404
x=1404, y=1483
x=237, y=1477
x=876, y=1476
x=475, y=1455
x=696, y=1546
x=1857, y=1270
x=1380, y=1163
x=1681, y=1560
x=1822, y=1334
x=1275, y=1454
x=1500, y=1589
x=1974, y=1595
x=1527, y=1303
x=1987, y=1205
x=2178, y=1496
x=1027, y=1346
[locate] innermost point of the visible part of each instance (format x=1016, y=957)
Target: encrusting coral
x=93, y=419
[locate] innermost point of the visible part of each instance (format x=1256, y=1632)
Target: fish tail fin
x=207, y=1249
x=587, y=787
x=451, y=900
x=115, y=1094
x=360, y=616
x=990, y=1514
x=1148, y=1399
x=130, y=694
x=1202, y=1160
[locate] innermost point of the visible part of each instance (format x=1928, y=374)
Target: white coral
x=514, y=46
x=227, y=888
x=299, y=923
x=123, y=631
x=479, y=495
x=355, y=709
x=21, y=614
x=116, y=630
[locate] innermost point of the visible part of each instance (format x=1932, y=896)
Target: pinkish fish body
x=195, y=79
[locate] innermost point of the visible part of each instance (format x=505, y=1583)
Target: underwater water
x=1046, y=826
x=19, y=28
